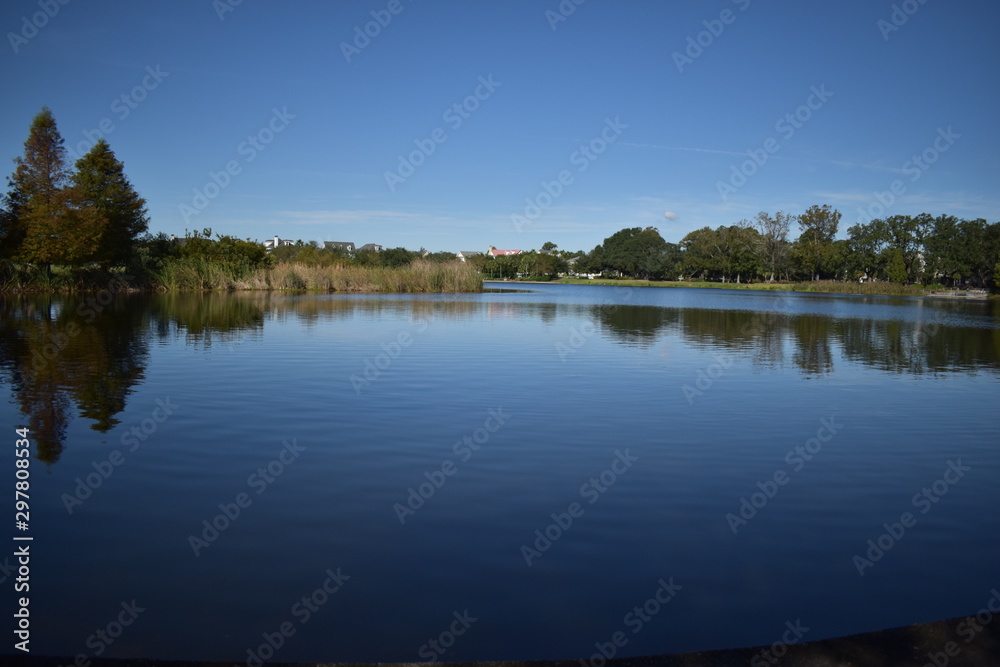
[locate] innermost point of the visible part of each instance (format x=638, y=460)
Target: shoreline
x=910, y=646
x=907, y=292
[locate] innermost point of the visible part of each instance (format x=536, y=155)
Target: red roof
x=496, y=252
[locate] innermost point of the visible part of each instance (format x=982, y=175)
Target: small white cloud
x=670, y=215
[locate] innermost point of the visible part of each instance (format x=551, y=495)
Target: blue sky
x=638, y=136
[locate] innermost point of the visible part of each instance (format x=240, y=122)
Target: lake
x=511, y=475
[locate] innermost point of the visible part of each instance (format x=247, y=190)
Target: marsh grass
x=419, y=277
x=199, y=274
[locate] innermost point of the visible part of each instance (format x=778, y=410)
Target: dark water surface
x=640, y=418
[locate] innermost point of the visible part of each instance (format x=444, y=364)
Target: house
x=373, y=247
x=467, y=254
x=496, y=252
x=276, y=242
x=344, y=246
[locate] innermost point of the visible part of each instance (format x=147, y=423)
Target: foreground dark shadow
x=912, y=646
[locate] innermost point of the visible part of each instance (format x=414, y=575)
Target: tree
x=52, y=219
x=908, y=234
x=549, y=246
x=101, y=181
x=818, y=227
x=700, y=250
x=896, y=271
x=773, y=242
x=11, y=229
x=636, y=252
x=869, y=244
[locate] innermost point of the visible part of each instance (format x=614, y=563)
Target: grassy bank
x=193, y=273
x=819, y=286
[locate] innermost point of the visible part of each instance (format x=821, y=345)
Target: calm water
x=643, y=416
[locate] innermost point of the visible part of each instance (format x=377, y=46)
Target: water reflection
x=56, y=352
x=69, y=356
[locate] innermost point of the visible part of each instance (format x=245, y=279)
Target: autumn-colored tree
x=101, y=181
x=50, y=217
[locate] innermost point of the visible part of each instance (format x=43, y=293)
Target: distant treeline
x=902, y=249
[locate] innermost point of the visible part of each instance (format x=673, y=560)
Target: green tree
x=11, y=228
x=817, y=227
x=896, y=270
x=51, y=218
x=772, y=244
x=100, y=179
x=636, y=252
x=869, y=245
x=548, y=246
x=700, y=253
x=908, y=234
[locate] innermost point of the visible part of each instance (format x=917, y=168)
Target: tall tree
x=817, y=227
x=869, y=245
x=101, y=182
x=773, y=242
x=636, y=252
x=55, y=224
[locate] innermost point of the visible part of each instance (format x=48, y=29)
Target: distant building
x=374, y=247
x=276, y=242
x=467, y=254
x=496, y=252
x=345, y=246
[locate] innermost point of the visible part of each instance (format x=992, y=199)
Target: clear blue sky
x=323, y=175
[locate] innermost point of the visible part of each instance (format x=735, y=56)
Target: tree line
x=904, y=249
